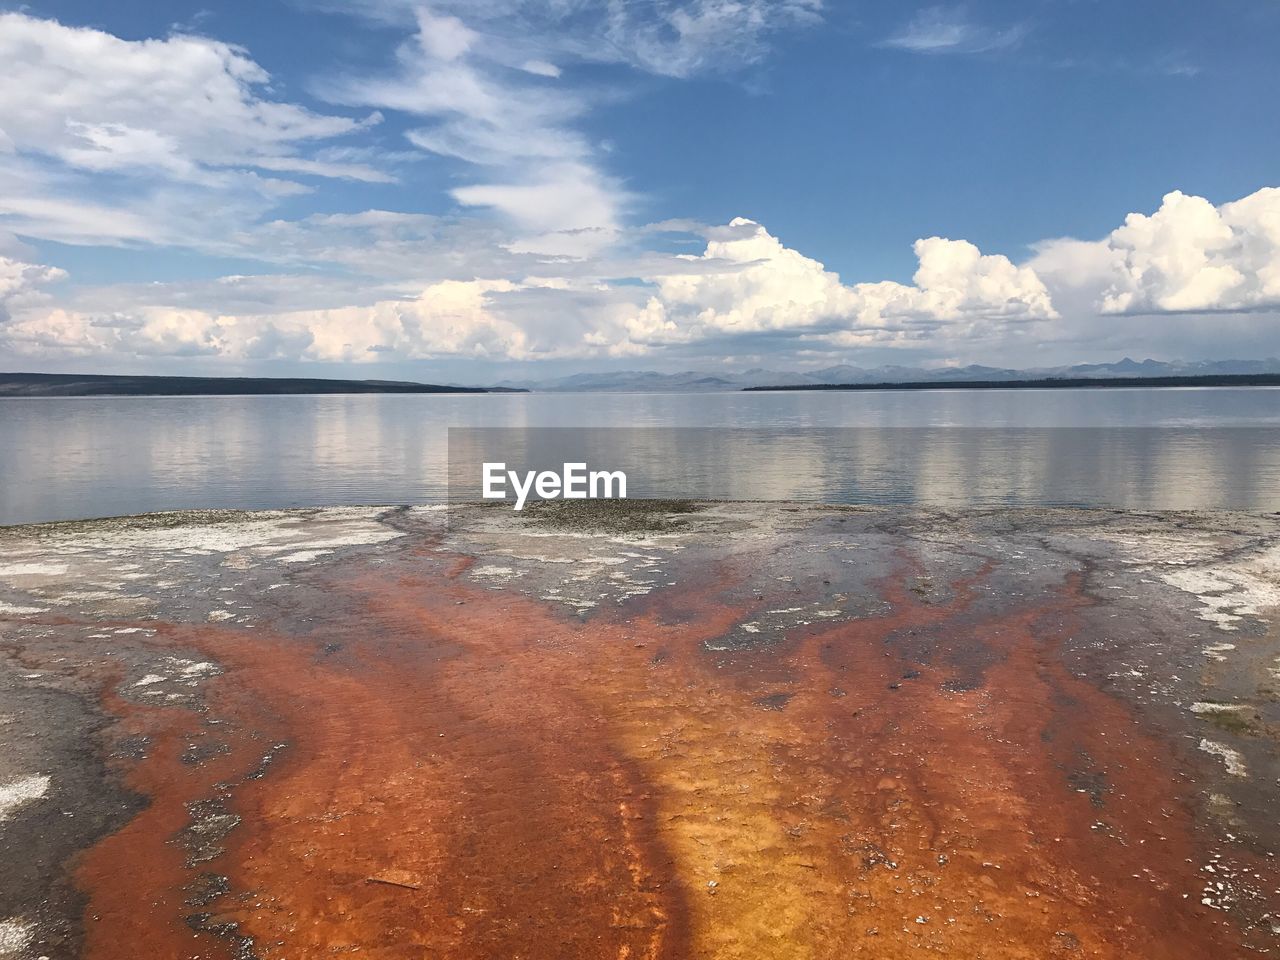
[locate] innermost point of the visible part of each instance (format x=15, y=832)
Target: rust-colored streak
x=140, y=878
x=499, y=814
x=472, y=774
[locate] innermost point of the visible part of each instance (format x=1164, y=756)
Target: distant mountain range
x=648, y=381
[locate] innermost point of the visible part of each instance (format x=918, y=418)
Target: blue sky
x=496, y=187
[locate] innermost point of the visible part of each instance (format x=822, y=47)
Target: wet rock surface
x=640, y=729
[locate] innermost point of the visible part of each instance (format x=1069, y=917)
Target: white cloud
x=20, y=284
x=681, y=39
x=541, y=68
x=58, y=333
x=1187, y=257
x=185, y=107
x=177, y=141
x=750, y=282
x=53, y=203
x=479, y=72
x=745, y=283
x=956, y=281
x=1190, y=255
x=17, y=277
x=483, y=111
x=949, y=30
x=448, y=319
x=383, y=245
x=568, y=209
x=503, y=117
x=675, y=38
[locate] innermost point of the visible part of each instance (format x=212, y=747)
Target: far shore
x=1045, y=383
x=111, y=385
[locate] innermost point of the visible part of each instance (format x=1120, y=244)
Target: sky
x=470, y=190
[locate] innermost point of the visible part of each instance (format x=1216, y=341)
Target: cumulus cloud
x=17, y=277
x=745, y=283
x=21, y=283
x=750, y=282
x=1188, y=257
x=448, y=319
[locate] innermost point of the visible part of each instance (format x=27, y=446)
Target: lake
x=1196, y=448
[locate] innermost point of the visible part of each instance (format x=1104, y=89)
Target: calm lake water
x=1142, y=448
